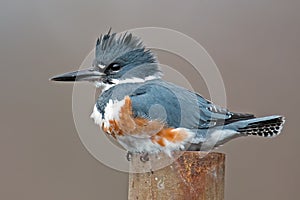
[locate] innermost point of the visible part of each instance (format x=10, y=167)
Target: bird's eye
x=114, y=67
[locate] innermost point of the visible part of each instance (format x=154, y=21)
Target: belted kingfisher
x=146, y=114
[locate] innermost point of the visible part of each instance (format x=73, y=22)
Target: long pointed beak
x=89, y=74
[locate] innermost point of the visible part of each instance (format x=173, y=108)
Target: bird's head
x=119, y=58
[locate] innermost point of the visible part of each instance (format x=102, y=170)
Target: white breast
x=97, y=116
x=111, y=112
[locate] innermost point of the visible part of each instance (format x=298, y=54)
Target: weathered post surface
x=194, y=175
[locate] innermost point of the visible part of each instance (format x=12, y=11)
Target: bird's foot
x=129, y=156
x=144, y=157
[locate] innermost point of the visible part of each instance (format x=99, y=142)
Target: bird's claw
x=144, y=157
x=129, y=156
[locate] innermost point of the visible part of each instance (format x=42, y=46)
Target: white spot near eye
x=101, y=66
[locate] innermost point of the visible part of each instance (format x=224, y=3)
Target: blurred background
x=255, y=44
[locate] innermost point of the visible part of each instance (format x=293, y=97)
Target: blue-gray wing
x=176, y=106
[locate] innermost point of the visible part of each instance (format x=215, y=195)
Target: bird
x=146, y=114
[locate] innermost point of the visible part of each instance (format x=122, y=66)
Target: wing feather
x=177, y=106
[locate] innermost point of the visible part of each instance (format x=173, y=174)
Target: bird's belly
x=139, y=145
x=166, y=140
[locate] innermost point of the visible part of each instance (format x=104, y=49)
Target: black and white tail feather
x=265, y=126
x=269, y=126
x=241, y=125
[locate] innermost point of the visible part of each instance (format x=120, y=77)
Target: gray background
x=254, y=43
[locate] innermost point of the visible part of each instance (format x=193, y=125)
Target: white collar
x=106, y=86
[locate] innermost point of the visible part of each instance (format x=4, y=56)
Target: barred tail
x=265, y=126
